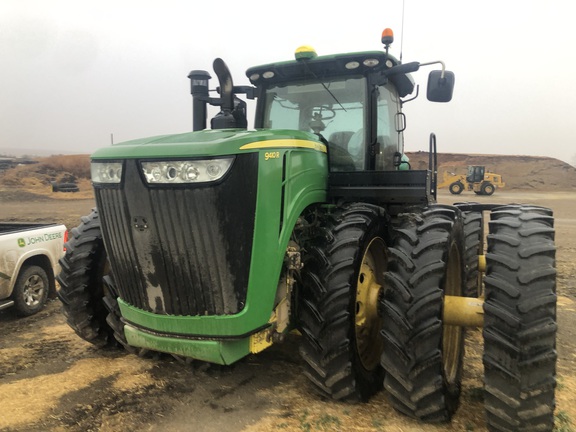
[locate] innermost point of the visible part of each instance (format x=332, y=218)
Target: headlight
x=188, y=171
x=106, y=172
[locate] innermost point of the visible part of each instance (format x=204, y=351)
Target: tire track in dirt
x=44, y=364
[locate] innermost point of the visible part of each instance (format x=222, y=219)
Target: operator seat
x=385, y=158
x=340, y=159
x=356, y=149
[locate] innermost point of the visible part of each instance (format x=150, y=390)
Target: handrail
x=433, y=165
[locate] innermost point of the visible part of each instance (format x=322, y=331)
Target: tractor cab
x=352, y=103
x=347, y=101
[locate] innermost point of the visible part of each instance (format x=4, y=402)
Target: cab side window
x=388, y=137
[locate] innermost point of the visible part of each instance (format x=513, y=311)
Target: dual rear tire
x=431, y=253
x=342, y=278
x=422, y=356
x=520, y=320
x=367, y=308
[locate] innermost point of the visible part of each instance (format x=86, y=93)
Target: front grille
x=181, y=250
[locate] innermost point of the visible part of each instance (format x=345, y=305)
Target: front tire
x=30, y=291
x=456, y=188
x=488, y=189
x=81, y=288
x=342, y=278
x=520, y=320
x=423, y=357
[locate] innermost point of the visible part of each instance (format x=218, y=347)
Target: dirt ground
x=51, y=380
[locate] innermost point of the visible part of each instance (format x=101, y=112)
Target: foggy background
x=73, y=73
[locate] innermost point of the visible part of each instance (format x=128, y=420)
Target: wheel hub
x=367, y=321
x=33, y=290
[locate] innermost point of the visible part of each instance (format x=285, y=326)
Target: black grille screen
x=182, y=250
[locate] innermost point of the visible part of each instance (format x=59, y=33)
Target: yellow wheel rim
x=367, y=322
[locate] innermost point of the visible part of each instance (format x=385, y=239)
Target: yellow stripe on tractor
x=285, y=143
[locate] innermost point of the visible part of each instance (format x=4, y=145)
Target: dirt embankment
x=518, y=172
x=26, y=192
x=38, y=175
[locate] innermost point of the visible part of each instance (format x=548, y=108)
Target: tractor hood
x=208, y=143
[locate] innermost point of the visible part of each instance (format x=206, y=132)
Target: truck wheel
x=473, y=222
x=520, y=320
x=456, y=188
x=31, y=290
x=338, y=308
x=81, y=289
x=422, y=358
x=488, y=189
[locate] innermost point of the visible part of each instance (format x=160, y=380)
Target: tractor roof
x=322, y=67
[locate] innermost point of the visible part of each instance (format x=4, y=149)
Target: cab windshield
x=337, y=110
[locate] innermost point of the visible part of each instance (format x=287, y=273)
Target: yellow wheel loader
x=477, y=179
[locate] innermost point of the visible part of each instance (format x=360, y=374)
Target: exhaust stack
x=232, y=109
x=199, y=88
x=224, y=119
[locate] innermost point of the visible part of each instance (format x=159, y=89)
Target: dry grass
x=37, y=178
x=61, y=168
x=77, y=165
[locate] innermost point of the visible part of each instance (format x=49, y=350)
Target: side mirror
x=440, y=88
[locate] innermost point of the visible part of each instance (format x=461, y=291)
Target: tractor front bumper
x=225, y=351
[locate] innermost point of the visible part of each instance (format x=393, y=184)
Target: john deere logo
x=21, y=242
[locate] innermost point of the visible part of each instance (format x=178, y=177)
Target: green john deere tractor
x=215, y=244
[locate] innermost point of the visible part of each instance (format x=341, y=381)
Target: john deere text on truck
x=216, y=243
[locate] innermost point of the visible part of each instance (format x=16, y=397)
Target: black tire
x=81, y=288
x=113, y=319
x=64, y=187
x=473, y=222
x=338, y=307
x=488, y=188
x=520, y=320
x=422, y=357
x=30, y=290
x=456, y=188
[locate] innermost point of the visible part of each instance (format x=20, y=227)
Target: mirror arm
x=440, y=62
x=403, y=101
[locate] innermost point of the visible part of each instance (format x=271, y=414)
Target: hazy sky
x=73, y=72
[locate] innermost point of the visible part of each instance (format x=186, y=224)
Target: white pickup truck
x=29, y=255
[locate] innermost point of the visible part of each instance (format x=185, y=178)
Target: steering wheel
x=319, y=112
